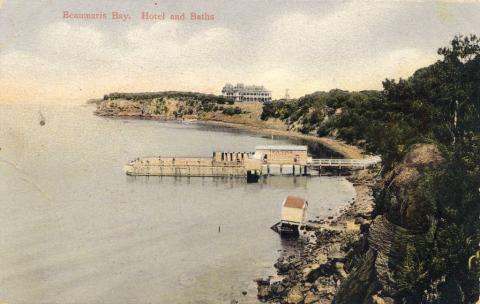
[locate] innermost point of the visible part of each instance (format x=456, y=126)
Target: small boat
x=42, y=119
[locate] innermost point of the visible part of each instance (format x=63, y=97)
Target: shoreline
x=314, y=275
x=336, y=145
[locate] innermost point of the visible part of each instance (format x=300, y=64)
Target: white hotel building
x=241, y=92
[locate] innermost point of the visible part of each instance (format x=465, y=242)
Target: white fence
x=347, y=163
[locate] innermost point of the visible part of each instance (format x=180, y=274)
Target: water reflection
x=280, y=182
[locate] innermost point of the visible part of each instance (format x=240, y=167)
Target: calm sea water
x=76, y=229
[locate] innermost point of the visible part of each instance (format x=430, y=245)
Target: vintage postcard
x=251, y=151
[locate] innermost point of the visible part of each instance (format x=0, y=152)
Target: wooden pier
x=174, y=166
x=268, y=160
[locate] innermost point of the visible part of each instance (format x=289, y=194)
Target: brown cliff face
x=402, y=221
x=403, y=181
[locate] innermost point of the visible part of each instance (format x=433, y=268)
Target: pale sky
x=305, y=46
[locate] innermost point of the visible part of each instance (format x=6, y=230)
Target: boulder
x=282, y=266
x=311, y=273
x=340, y=270
x=326, y=291
x=278, y=289
x=295, y=295
x=264, y=289
x=311, y=298
x=376, y=299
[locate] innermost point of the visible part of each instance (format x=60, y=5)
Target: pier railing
x=186, y=166
x=344, y=163
x=183, y=161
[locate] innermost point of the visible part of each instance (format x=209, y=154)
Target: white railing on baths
x=345, y=162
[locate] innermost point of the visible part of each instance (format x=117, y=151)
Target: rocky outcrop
x=311, y=276
x=374, y=277
x=155, y=108
x=295, y=295
x=361, y=265
x=314, y=273
x=401, y=183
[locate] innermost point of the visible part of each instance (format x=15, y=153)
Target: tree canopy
x=440, y=105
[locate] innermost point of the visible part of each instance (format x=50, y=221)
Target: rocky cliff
x=378, y=265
